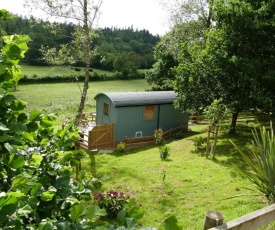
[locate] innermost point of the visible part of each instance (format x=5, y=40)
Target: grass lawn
x=187, y=183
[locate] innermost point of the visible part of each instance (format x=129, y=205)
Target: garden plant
x=260, y=162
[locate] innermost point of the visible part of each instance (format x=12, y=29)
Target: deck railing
x=214, y=220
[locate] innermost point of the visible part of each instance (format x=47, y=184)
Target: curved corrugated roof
x=140, y=98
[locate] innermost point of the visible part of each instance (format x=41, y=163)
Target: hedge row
x=34, y=79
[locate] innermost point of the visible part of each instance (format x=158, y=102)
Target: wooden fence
x=100, y=137
x=251, y=221
x=140, y=141
x=243, y=117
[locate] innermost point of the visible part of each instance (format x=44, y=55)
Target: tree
x=127, y=63
x=181, y=11
x=236, y=62
x=189, y=20
x=85, y=13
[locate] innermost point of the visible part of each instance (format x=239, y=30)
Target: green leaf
x=25, y=210
x=121, y=217
x=16, y=161
x=47, y=122
x=47, y=196
x=171, y=223
x=35, y=115
x=81, y=175
x=44, y=141
x=136, y=212
x=14, y=52
x=131, y=224
x=35, y=189
x=23, y=117
x=7, y=198
x=36, y=159
x=16, y=194
x=23, y=182
x=28, y=136
x=11, y=149
x=8, y=205
x=94, y=211
x=3, y=127
x=33, y=202
x=20, y=128
x=52, y=189
x=6, y=211
x=9, y=98
x=5, y=138
x=76, y=211
x=18, y=106
x=63, y=226
x=2, y=69
x=32, y=127
x=45, y=226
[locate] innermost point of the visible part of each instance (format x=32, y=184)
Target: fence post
x=208, y=141
x=212, y=219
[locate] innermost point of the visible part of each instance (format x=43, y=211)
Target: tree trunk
x=87, y=63
x=234, y=122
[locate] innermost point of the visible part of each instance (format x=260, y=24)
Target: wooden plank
x=101, y=137
x=250, y=221
x=138, y=139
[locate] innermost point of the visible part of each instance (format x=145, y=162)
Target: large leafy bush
x=36, y=183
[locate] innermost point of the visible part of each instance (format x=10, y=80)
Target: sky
x=140, y=14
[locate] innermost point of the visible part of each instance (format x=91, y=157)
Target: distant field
x=40, y=71
x=64, y=98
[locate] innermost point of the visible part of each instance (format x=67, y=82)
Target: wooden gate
x=101, y=137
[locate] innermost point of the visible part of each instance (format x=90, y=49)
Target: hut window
x=149, y=112
x=106, y=109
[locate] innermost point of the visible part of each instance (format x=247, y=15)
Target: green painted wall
x=130, y=121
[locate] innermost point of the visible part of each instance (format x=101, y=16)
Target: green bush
x=199, y=142
x=112, y=201
x=164, y=152
x=158, y=135
x=179, y=135
x=121, y=147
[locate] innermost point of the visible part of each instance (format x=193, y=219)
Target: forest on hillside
x=114, y=46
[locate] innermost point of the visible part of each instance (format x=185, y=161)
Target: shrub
x=217, y=112
x=121, y=147
x=261, y=162
x=158, y=134
x=164, y=152
x=199, y=141
x=112, y=201
x=179, y=135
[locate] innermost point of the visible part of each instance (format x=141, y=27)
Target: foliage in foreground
x=261, y=162
x=37, y=187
